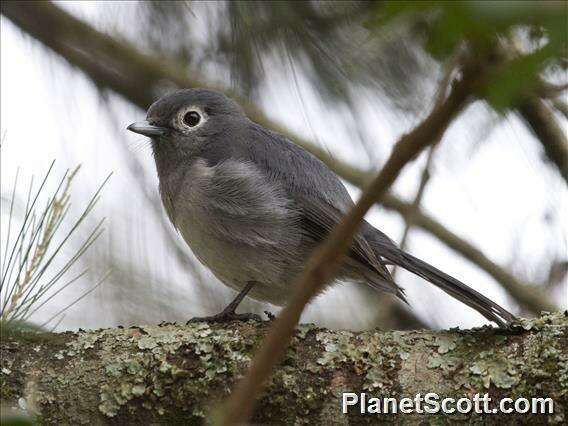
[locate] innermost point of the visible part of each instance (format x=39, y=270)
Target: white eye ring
x=189, y=119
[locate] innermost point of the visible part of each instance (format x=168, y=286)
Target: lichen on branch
x=173, y=374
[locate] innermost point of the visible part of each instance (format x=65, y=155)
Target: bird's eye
x=191, y=118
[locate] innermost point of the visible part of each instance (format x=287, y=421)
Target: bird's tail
x=465, y=294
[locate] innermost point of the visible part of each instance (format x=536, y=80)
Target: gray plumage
x=252, y=205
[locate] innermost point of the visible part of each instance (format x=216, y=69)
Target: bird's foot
x=226, y=317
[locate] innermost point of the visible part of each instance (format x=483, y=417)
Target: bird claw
x=226, y=317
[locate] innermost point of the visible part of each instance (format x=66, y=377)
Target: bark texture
x=172, y=374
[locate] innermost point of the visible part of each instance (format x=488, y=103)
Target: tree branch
x=174, y=374
x=540, y=120
x=118, y=66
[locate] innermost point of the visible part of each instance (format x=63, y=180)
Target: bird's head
x=179, y=121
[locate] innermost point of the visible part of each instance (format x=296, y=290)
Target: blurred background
x=488, y=204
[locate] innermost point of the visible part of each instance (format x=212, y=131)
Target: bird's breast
x=235, y=220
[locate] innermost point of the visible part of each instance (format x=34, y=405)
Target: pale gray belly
x=235, y=263
x=240, y=226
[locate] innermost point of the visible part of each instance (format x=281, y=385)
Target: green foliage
x=526, y=37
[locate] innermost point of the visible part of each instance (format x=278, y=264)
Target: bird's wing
x=323, y=200
x=316, y=191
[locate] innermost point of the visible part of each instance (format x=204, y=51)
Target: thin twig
x=450, y=68
x=409, y=217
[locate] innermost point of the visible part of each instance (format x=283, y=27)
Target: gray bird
x=252, y=205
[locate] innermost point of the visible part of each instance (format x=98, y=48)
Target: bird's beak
x=146, y=129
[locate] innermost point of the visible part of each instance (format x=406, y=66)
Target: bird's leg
x=229, y=314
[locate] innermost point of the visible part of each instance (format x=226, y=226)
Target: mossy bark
x=173, y=374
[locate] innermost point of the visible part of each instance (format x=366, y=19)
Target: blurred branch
x=120, y=67
x=425, y=175
x=450, y=67
x=557, y=274
x=549, y=91
x=541, y=121
x=529, y=296
x=415, y=206
x=561, y=106
x=391, y=304
x=328, y=257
